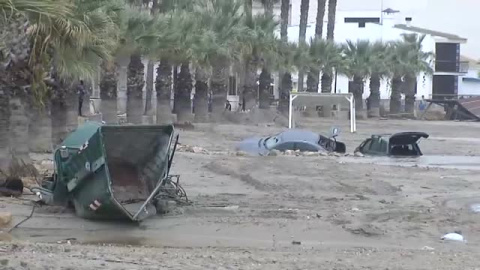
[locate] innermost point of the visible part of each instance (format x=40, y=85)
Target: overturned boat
x=114, y=172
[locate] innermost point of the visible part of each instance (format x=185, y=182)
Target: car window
x=284, y=146
x=305, y=146
x=270, y=142
x=366, y=145
x=378, y=145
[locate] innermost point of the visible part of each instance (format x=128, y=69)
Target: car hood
x=407, y=137
x=253, y=146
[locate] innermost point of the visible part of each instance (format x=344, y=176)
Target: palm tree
x=326, y=56
x=417, y=62
x=263, y=42
x=406, y=61
x=302, y=35
x=223, y=30
x=357, y=55
x=314, y=74
x=135, y=83
x=290, y=57
x=37, y=29
x=327, y=76
x=108, y=92
x=285, y=77
x=378, y=70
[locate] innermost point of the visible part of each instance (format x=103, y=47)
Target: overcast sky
x=460, y=17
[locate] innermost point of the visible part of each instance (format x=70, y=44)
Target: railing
x=451, y=66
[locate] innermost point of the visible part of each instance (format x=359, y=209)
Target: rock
x=5, y=218
x=274, y=153
x=456, y=236
x=197, y=149
x=296, y=243
x=241, y=154
x=5, y=237
x=358, y=154
x=427, y=248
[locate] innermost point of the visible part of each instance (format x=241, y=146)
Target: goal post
x=307, y=99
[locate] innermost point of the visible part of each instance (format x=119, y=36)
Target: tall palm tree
x=221, y=42
x=327, y=76
x=285, y=77
x=357, y=55
x=378, y=70
x=417, y=62
x=304, y=6
x=406, y=61
x=135, y=83
x=326, y=56
x=314, y=74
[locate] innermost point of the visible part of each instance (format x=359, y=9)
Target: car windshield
x=270, y=142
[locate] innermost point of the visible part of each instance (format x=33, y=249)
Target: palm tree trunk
x=285, y=89
x=374, y=98
x=314, y=74
x=285, y=77
x=72, y=109
x=301, y=38
x=265, y=82
x=326, y=83
x=396, y=95
x=183, y=95
x=58, y=111
x=40, y=130
x=149, y=87
x=19, y=122
x=358, y=87
x=122, y=85
x=136, y=81
x=410, y=83
x=163, y=87
x=201, y=96
x=219, y=87
x=4, y=127
x=250, y=88
x=332, y=10
x=108, y=94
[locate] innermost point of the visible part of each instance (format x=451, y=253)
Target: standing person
x=81, y=96
x=422, y=104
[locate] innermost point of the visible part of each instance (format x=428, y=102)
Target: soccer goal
x=306, y=99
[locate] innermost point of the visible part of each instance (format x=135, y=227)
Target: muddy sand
x=280, y=212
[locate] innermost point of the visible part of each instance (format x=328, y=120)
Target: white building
x=373, y=25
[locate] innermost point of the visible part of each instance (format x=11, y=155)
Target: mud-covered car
x=399, y=144
x=293, y=139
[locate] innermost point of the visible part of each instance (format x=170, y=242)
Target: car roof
x=400, y=134
x=299, y=135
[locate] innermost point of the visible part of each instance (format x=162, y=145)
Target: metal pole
x=335, y=84
x=290, y=111
x=351, y=115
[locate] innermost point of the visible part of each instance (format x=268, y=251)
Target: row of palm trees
x=47, y=46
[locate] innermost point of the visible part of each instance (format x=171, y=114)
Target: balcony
x=459, y=67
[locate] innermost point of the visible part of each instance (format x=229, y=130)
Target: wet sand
x=281, y=212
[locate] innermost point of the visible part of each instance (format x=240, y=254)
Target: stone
x=197, y=149
x=5, y=218
x=241, y=154
x=358, y=154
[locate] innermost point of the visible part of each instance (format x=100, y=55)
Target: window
x=305, y=146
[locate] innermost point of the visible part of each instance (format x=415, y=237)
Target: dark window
x=444, y=86
x=447, y=57
x=284, y=146
x=305, y=146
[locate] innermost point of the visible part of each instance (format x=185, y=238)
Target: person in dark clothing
x=81, y=96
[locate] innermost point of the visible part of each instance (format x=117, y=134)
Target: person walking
x=81, y=96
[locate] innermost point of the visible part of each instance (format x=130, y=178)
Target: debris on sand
x=191, y=149
x=5, y=218
x=368, y=230
x=455, y=236
x=11, y=186
x=296, y=243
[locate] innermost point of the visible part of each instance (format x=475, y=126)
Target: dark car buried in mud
x=399, y=144
x=293, y=139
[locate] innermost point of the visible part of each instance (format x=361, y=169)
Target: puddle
x=444, y=162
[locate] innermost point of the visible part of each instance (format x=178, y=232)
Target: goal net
x=313, y=100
